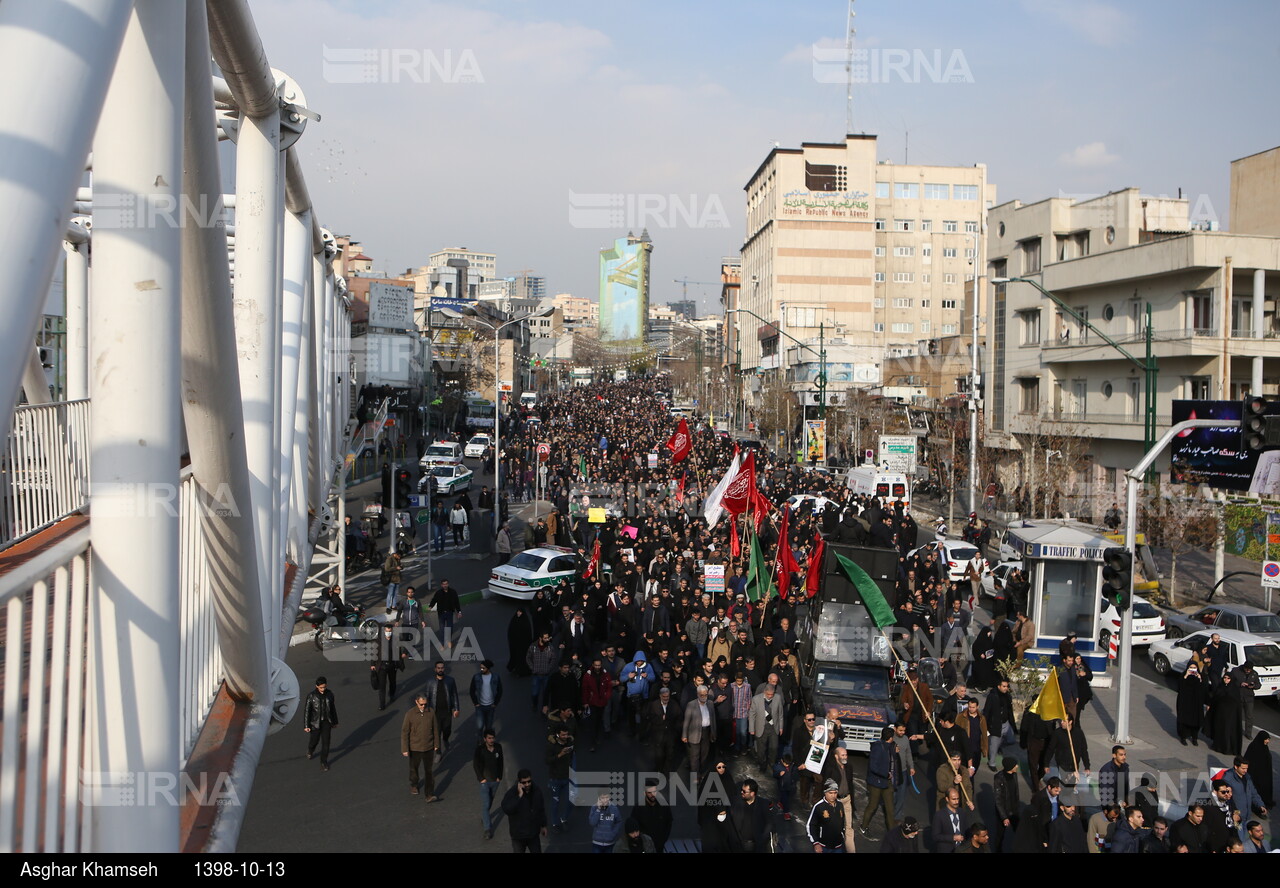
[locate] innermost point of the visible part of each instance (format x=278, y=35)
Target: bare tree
x=1178, y=518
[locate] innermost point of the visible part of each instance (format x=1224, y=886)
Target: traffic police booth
x=1064, y=561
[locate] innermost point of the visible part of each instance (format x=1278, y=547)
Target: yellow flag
x=1049, y=704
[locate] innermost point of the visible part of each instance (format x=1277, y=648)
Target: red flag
x=738, y=496
x=680, y=489
x=595, y=562
x=760, y=507
x=814, y=577
x=784, y=561
x=735, y=548
x=680, y=444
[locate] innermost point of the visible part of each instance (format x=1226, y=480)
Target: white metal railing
x=45, y=467
x=48, y=723
x=200, y=669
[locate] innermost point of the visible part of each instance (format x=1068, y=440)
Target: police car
x=542, y=566
x=448, y=480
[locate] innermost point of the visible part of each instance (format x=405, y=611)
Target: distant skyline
x=542, y=132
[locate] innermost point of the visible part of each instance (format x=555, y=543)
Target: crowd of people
x=707, y=677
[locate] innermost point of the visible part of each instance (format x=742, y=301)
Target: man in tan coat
x=419, y=740
x=1024, y=634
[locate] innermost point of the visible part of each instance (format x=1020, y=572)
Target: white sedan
x=1171, y=655
x=477, y=446
x=543, y=566
x=1148, y=623
x=956, y=555
x=448, y=480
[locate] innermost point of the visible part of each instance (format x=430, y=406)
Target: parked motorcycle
x=339, y=623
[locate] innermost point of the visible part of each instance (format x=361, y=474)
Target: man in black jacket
x=1008, y=805
x=447, y=607
x=1066, y=834
x=1191, y=831
x=526, y=814
x=750, y=818
x=442, y=691
x=1068, y=750
x=653, y=816
x=488, y=763
x=319, y=715
x=998, y=712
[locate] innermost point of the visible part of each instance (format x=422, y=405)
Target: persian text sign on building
x=827, y=204
x=390, y=307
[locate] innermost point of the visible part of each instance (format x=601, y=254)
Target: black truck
x=846, y=662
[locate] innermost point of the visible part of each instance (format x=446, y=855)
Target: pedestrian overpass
x=160, y=521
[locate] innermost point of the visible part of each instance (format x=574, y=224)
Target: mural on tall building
x=624, y=289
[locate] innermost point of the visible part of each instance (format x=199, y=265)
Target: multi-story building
x=874, y=255
x=483, y=264
x=1053, y=384
x=578, y=311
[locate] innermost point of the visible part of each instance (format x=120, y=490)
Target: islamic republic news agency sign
x=899, y=452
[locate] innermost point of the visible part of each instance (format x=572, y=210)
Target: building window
x=825, y=177
x=1201, y=308
x=970, y=252
x=937, y=191
x=926, y=225
x=926, y=251
x=1031, y=256
x=965, y=192
x=879, y=225
x=903, y=277
x=924, y=326
x=924, y=279
x=903, y=328
x=904, y=251
x=879, y=277
x=877, y=327
x=882, y=191
x=948, y=278
x=878, y=302
x=803, y=317
x=903, y=224
x=902, y=302
x=948, y=329
x=1030, y=326
x=1198, y=388
x=906, y=190
x=949, y=253
x=1030, y=395
x=971, y=227
x=879, y=252
x=951, y=225
x=924, y=303
x=948, y=304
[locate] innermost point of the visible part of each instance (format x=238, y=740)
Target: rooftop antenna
x=848, y=73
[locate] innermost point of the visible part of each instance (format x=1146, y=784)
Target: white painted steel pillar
x=77, y=277
x=55, y=59
x=1259, y=304
x=259, y=205
x=211, y=391
x=296, y=267
x=135, y=429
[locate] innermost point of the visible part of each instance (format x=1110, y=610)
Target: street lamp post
x=821, y=352
x=497, y=401
x=974, y=379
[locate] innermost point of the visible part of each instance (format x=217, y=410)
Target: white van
x=870, y=481
x=529, y=399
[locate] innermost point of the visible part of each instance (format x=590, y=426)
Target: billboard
x=815, y=440
x=1213, y=456
x=391, y=307
x=624, y=290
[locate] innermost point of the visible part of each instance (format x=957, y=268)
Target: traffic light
x=1117, y=578
x=1258, y=431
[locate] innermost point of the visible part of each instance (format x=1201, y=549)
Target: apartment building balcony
x=1124, y=425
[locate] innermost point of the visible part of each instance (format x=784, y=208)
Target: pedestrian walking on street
x=388, y=662
x=488, y=764
x=559, y=760
x=443, y=691
x=1190, y=706
x=503, y=543
x=458, y=523
x=486, y=694
x=526, y=814
x=826, y=826
x=419, y=741
x=319, y=717
x=447, y=606
x=882, y=774
x=699, y=731
x=392, y=577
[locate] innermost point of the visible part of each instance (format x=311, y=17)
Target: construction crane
x=685, y=282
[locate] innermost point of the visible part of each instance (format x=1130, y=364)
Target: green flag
x=582, y=465
x=872, y=598
x=759, y=581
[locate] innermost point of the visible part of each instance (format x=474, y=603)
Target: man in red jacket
x=597, y=688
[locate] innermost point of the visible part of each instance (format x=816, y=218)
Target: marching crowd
x=706, y=673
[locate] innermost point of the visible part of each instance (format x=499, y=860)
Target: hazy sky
x=542, y=130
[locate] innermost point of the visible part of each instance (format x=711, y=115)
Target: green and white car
x=524, y=573
x=451, y=479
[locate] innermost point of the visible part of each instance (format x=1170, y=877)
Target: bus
x=871, y=481
x=480, y=413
